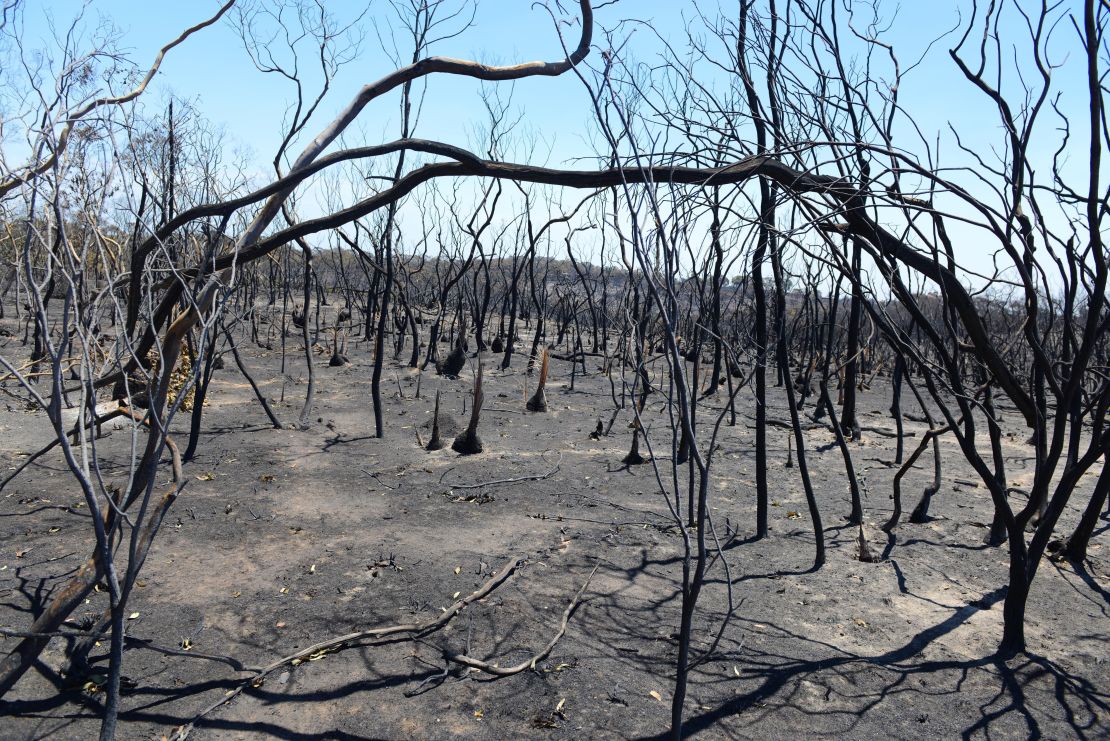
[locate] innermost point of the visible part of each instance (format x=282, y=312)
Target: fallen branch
x=881, y=431
x=789, y=426
x=515, y=480
x=504, y=671
x=334, y=644
x=885, y=432
x=815, y=425
x=13, y=633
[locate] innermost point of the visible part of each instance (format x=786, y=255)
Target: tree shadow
x=862, y=683
x=625, y=620
x=1080, y=569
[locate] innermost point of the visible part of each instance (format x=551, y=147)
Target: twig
x=518, y=479
x=504, y=671
x=11, y=632
x=884, y=432
x=375, y=477
x=334, y=644
x=428, y=680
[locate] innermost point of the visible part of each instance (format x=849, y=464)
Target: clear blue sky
x=213, y=70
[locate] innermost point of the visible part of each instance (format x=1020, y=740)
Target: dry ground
x=284, y=538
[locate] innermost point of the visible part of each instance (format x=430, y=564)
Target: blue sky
x=213, y=70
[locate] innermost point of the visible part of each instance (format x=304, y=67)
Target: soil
x=284, y=538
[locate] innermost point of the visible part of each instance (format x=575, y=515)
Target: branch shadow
x=779, y=678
